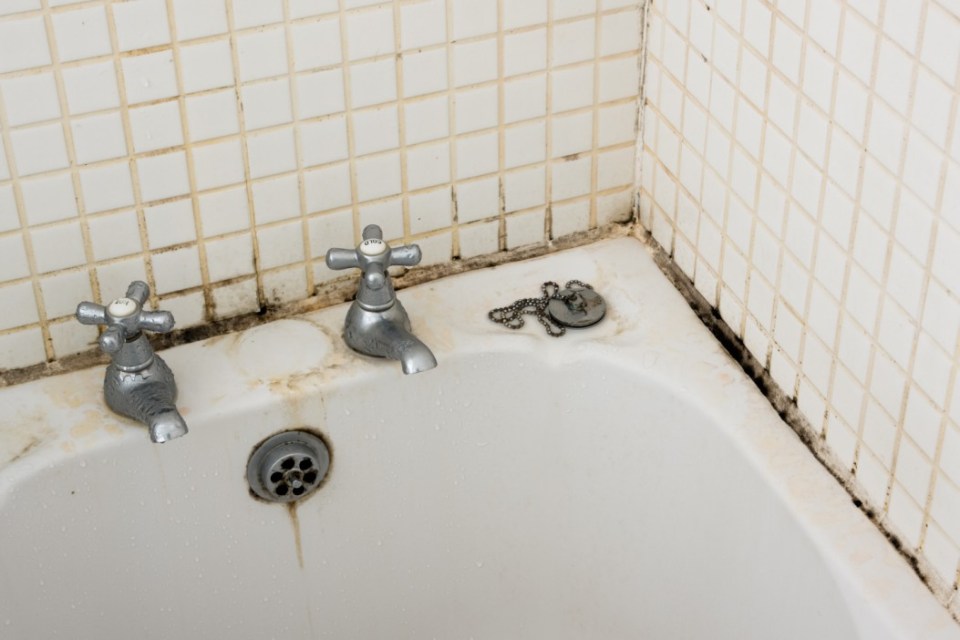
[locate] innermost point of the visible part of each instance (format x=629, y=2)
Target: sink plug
x=138, y=384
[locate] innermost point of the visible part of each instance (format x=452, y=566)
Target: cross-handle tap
x=377, y=323
x=138, y=383
x=373, y=257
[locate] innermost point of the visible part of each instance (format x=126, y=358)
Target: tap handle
x=124, y=317
x=374, y=256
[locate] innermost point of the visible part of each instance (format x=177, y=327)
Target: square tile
x=206, y=66
x=476, y=109
x=570, y=218
x=256, y=13
x=18, y=6
x=572, y=8
x=156, y=127
x=574, y=41
x=423, y=24
x=572, y=88
x=218, y=164
x=149, y=77
x=939, y=47
x=373, y=83
x=526, y=228
x=424, y=72
x=106, y=187
x=22, y=348
x=524, y=189
x=276, y=199
x=473, y=18
x=39, y=149
x=619, y=33
x=479, y=239
x=30, y=99
x=478, y=199
x=229, y=258
x=370, y=33
x=571, y=178
x=19, y=306
x=428, y=165
x=199, y=18
x=477, y=155
x=163, y=176
x=262, y=54
x=98, y=137
x=430, y=211
x=176, y=270
x=236, y=299
x=618, y=79
x=524, y=52
x=14, y=265
x=266, y=104
x=328, y=188
x=525, y=144
x=525, y=98
x=224, y=212
x=327, y=232
x=316, y=44
x=280, y=245
x=524, y=14
x=23, y=44
x=426, y=120
x=474, y=62
x=212, y=115
x=378, y=176
x=572, y=134
x=284, y=286
x=170, y=223
x=320, y=93
x=324, y=141
x=57, y=247
x=375, y=130
x=271, y=153
x=48, y=199
x=141, y=24
x=62, y=291
x=114, y=235
x=615, y=169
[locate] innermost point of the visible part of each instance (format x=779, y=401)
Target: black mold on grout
x=786, y=407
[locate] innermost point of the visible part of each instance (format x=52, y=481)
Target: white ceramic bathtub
x=625, y=481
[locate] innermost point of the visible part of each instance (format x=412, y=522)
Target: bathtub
x=624, y=481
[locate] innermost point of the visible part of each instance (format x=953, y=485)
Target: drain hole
x=288, y=466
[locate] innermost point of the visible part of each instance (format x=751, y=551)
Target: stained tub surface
x=626, y=481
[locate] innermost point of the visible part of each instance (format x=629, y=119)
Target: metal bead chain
x=511, y=316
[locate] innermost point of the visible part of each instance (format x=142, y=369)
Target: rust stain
x=295, y=522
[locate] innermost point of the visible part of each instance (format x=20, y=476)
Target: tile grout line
x=501, y=134
x=548, y=131
x=294, y=88
x=451, y=137
x=595, y=110
x=398, y=64
x=131, y=156
x=205, y=284
x=243, y=137
x=348, y=116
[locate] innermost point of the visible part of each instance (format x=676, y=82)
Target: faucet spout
x=387, y=334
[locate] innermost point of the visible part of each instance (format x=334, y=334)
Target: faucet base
x=387, y=334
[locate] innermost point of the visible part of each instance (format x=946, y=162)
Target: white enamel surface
x=625, y=481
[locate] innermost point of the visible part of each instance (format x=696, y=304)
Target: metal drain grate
x=288, y=466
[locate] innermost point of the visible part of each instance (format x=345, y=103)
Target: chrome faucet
x=138, y=383
x=377, y=324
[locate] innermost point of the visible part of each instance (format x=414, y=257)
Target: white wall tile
x=206, y=66
x=141, y=24
x=199, y=18
x=49, y=199
x=39, y=149
x=30, y=99
x=23, y=44
x=98, y=137
x=149, y=77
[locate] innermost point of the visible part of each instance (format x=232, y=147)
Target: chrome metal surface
x=288, y=466
x=138, y=384
x=577, y=305
x=377, y=324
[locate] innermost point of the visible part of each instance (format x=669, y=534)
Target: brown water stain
x=295, y=522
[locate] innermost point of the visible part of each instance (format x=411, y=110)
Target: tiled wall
x=217, y=148
x=802, y=164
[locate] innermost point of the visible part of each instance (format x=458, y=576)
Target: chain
x=511, y=316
